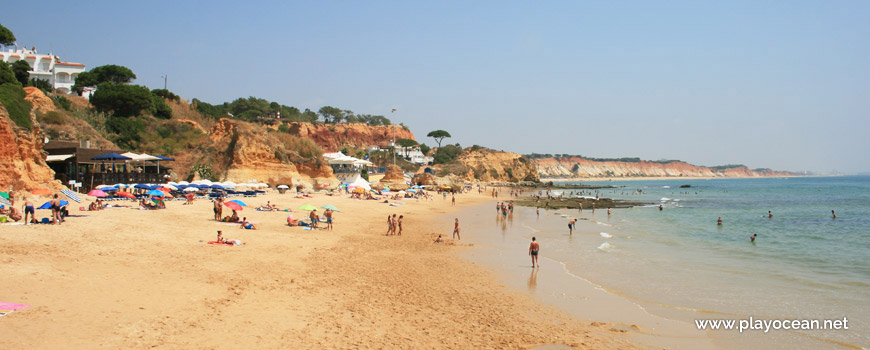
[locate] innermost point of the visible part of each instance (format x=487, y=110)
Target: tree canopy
x=438, y=135
x=109, y=73
x=121, y=99
x=6, y=36
x=331, y=114
x=406, y=142
x=21, y=69
x=6, y=74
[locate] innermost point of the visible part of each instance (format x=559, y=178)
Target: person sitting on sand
x=234, y=217
x=438, y=240
x=92, y=206
x=221, y=239
x=247, y=224
x=291, y=221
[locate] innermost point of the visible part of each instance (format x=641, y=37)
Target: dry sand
x=129, y=279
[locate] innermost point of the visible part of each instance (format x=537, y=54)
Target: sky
x=773, y=84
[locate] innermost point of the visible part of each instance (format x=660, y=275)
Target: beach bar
x=76, y=161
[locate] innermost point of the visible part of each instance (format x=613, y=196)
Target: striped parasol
x=72, y=195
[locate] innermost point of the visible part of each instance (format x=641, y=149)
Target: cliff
x=24, y=167
x=334, y=137
x=245, y=151
x=483, y=164
x=568, y=167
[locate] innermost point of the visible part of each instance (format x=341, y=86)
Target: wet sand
x=124, y=278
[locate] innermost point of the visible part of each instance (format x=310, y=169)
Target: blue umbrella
x=155, y=193
x=108, y=189
x=47, y=205
x=111, y=156
x=143, y=186
x=217, y=187
x=163, y=158
x=239, y=202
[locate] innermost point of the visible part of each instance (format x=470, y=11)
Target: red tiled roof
x=70, y=64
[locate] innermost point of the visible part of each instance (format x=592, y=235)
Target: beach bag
x=2, y=219
x=45, y=221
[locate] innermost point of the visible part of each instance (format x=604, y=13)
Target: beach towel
x=219, y=243
x=5, y=202
x=72, y=195
x=6, y=308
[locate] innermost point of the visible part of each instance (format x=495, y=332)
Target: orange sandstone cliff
x=569, y=167
x=483, y=164
x=246, y=151
x=333, y=137
x=24, y=167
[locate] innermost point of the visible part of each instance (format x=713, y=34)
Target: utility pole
x=165, y=78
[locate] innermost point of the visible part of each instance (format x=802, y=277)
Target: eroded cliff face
x=490, y=165
x=333, y=137
x=248, y=152
x=23, y=161
x=567, y=167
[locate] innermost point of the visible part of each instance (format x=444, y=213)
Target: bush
x=54, y=117
x=12, y=97
x=298, y=147
x=159, y=108
x=446, y=154
x=62, y=102
x=128, y=131
x=166, y=94
x=283, y=128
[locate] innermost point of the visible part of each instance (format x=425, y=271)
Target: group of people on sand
x=394, y=225
x=58, y=211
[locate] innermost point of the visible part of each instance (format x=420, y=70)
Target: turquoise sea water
x=679, y=263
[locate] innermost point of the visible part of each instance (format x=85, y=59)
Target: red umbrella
x=126, y=194
x=233, y=206
x=41, y=191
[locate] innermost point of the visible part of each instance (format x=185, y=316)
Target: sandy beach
x=125, y=278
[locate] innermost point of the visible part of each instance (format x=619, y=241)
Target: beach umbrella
x=359, y=190
x=97, y=193
x=163, y=189
x=190, y=189
x=239, y=202
x=170, y=187
x=111, y=156
x=99, y=187
x=183, y=183
x=217, y=187
x=308, y=207
x=4, y=195
x=155, y=193
x=108, y=189
x=126, y=195
x=330, y=207
x=283, y=186
x=47, y=205
x=385, y=191
x=233, y=205
x=412, y=190
x=41, y=191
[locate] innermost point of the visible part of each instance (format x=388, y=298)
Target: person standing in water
x=833, y=215
x=752, y=238
x=571, y=226
x=769, y=214
x=719, y=222
x=533, y=252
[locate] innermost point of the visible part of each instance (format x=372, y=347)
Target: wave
x=605, y=247
x=665, y=199
x=605, y=235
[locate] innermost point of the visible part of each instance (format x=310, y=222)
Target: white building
x=61, y=75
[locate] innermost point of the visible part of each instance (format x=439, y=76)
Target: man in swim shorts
x=533, y=252
x=28, y=209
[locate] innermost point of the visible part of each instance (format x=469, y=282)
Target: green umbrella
x=308, y=207
x=330, y=207
x=4, y=195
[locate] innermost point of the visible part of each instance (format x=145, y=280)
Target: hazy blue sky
x=780, y=84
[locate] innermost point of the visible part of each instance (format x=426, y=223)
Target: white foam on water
x=603, y=224
x=605, y=247
x=605, y=235
x=666, y=186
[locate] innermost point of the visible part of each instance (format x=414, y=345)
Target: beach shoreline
x=124, y=278
x=665, y=178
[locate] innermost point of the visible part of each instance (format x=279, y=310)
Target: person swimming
x=752, y=238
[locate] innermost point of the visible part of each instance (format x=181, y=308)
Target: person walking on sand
x=399, y=224
x=389, y=225
x=328, y=215
x=538, y=212
x=533, y=252
x=456, y=230
x=453, y=201
x=218, y=209
x=55, y=210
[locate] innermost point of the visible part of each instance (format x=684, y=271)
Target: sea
x=676, y=265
